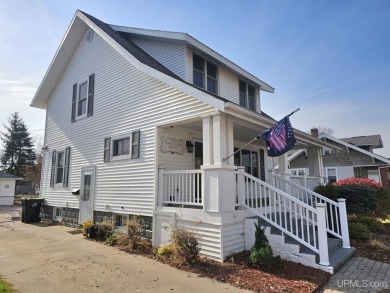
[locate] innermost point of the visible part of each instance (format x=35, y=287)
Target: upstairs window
x=82, y=99
x=205, y=74
x=247, y=95
x=60, y=167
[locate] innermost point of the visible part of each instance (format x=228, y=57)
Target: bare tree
x=321, y=129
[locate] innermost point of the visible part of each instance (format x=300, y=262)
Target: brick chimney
x=314, y=132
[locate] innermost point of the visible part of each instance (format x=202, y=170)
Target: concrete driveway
x=40, y=258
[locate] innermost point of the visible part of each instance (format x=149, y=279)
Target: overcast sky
x=330, y=58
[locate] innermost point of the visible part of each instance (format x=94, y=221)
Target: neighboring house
x=7, y=188
x=356, y=158
x=141, y=122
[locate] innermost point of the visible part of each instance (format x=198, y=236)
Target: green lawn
x=6, y=287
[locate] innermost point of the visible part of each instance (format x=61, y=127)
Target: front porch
x=220, y=197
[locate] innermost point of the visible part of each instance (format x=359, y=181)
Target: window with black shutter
x=53, y=168
x=135, y=144
x=83, y=98
x=107, y=144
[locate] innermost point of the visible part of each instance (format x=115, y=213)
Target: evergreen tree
x=18, y=154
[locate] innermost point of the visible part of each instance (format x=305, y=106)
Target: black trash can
x=31, y=208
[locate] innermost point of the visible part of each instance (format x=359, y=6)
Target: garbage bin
x=31, y=208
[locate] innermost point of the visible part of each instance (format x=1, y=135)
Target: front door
x=198, y=154
x=87, y=189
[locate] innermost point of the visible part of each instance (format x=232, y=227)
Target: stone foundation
x=70, y=217
x=46, y=213
x=101, y=216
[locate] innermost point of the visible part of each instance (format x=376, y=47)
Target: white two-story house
x=142, y=122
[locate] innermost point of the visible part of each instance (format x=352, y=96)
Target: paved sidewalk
x=360, y=275
x=42, y=258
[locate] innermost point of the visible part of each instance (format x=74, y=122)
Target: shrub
x=361, y=199
x=166, y=251
x=86, y=225
x=358, y=181
x=104, y=229
x=359, y=231
x=372, y=224
x=378, y=244
x=133, y=232
x=186, y=245
x=383, y=209
x=328, y=190
x=261, y=255
x=112, y=238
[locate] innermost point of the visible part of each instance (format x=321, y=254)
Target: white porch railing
x=309, y=182
x=335, y=213
x=180, y=187
x=290, y=215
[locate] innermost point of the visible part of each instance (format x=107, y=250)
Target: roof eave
x=191, y=41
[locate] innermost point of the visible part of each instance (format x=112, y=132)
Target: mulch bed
x=363, y=248
x=291, y=277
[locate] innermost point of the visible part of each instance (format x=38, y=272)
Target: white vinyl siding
x=171, y=55
x=228, y=85
x=125, y=100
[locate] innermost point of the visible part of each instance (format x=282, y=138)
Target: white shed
x=7, y=188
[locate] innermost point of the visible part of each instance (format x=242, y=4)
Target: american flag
x=280, y=138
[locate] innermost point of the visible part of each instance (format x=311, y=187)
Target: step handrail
x=281, y=217
x=332, y=211
x=315, y=194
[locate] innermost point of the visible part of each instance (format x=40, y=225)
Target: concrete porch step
x=337, y=254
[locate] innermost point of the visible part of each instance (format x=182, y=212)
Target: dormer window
x=247, y=95
x=205, y=74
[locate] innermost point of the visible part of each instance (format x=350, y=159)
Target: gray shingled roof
x=5, y=175
x=368, y=140
x=123, y=39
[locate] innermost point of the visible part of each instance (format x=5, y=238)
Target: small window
x=121, y=147
x=294, y=172
x=247, y=95
x=60, y=167
x=205, y=74
x=57, y=214
x=121, y=220
x=331, y=175
x=82, y=99
x=327, y=151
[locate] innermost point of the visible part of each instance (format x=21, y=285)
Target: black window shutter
x=135, y=142
x=107, y=144
x=91, y=90
x=66, y=167
x=53, y=168
x=74, y=101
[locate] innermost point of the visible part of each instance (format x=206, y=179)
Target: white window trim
x=205, y=73
x=59, y=184
x=122, y=228
x=327, y=171
x=326, y=149
x=297, y=171
x=77, y=116
x=55, y=217
x=121, y=157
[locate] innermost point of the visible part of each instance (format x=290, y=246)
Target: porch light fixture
x=190, y=146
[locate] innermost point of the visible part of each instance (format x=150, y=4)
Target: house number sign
x=170, y=144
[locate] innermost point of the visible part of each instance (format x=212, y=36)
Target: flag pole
x=257, y=137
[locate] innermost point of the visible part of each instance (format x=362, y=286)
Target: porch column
x=283, y=165
x=219, y=183
x=314, y=156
